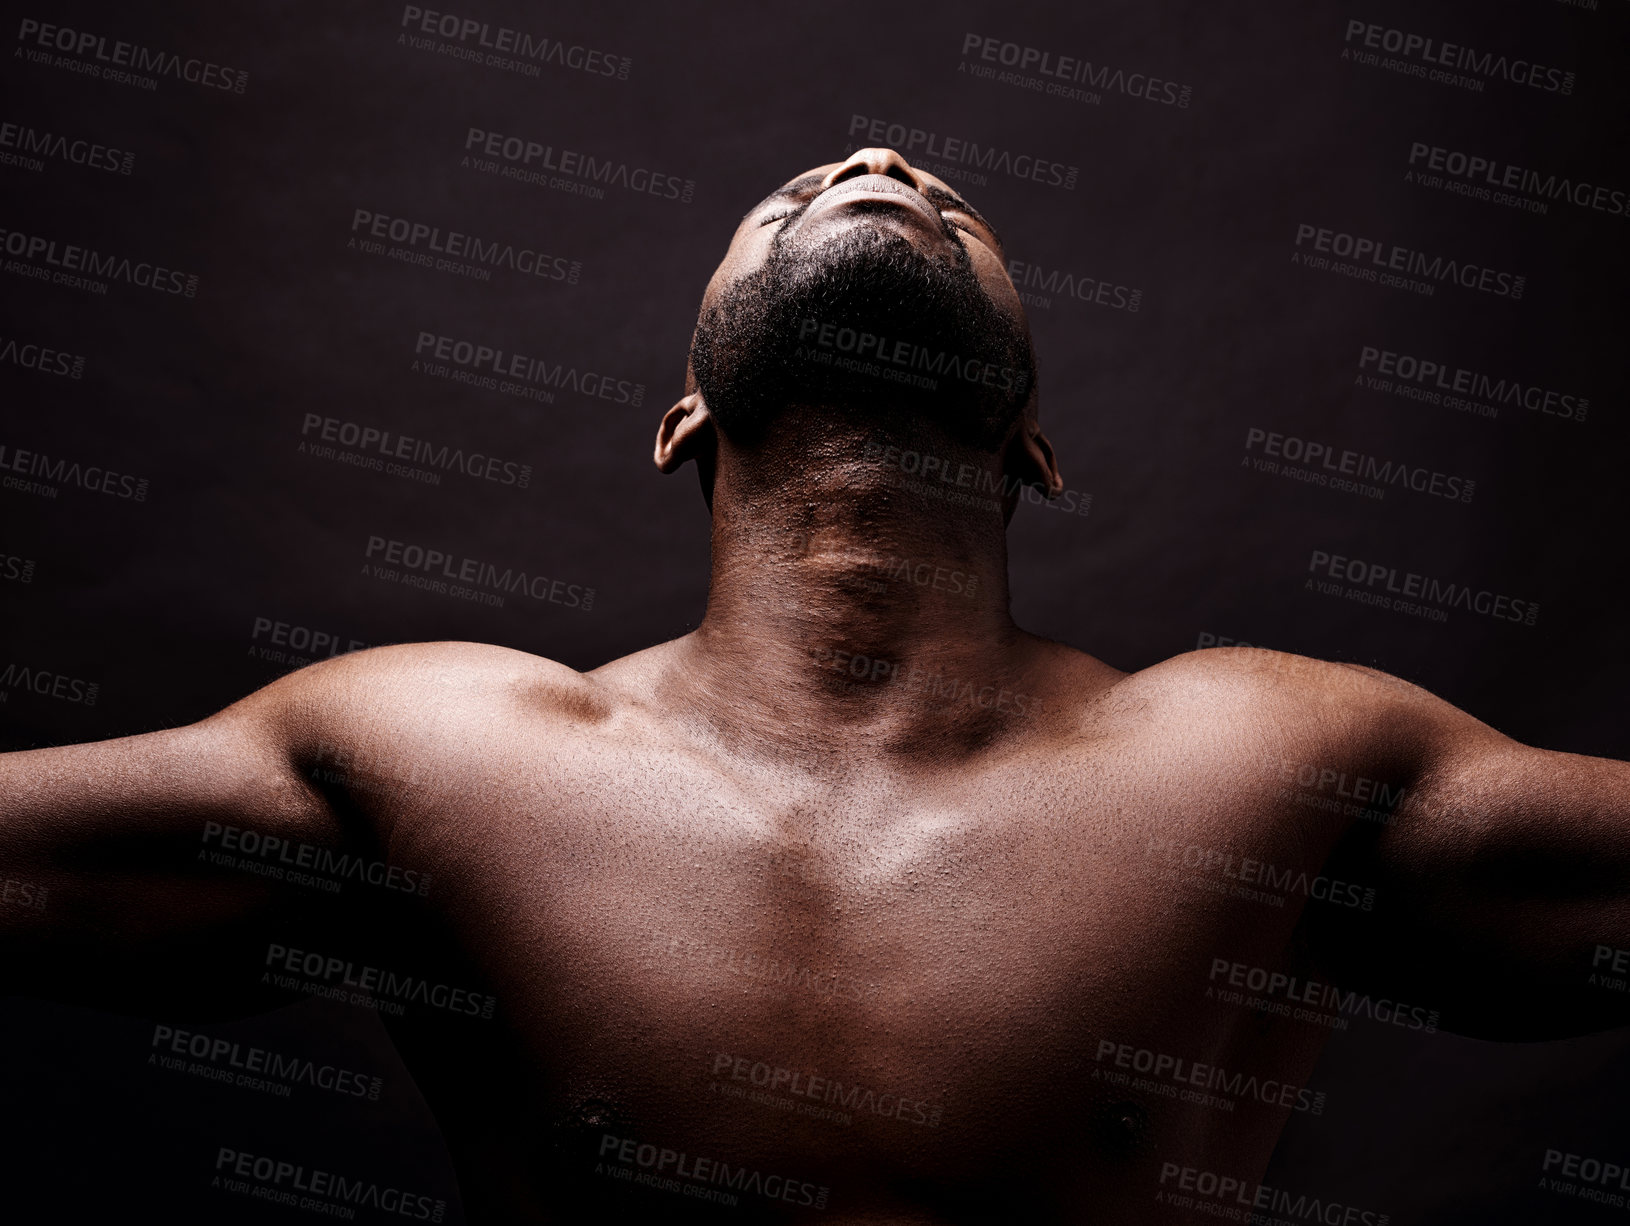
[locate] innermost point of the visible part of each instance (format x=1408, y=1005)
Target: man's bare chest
x=928, y=979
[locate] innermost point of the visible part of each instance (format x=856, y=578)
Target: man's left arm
x=1502, y=880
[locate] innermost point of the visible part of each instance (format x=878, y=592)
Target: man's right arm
x=108, y=893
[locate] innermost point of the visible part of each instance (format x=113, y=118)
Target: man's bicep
x=129, y=857
x=1499, y=874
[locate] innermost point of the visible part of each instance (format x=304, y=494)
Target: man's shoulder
x=445, y=677
x=1258, y=681
x=486, y=659
x=1231, y=709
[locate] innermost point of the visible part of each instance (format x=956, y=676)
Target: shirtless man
x=857, y=904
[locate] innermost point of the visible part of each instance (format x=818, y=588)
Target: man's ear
x=1030, y=458
x=686, y=433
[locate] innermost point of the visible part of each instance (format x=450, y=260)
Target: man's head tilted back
x=862, y=300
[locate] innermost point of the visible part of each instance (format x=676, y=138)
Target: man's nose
x=875, y=162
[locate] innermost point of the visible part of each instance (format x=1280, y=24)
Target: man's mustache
x=779, y=245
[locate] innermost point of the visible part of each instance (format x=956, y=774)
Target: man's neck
x=856, y=601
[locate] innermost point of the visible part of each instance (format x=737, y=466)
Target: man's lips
x=874, y=189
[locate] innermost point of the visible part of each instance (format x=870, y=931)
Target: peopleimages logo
x=934, y=685
x=280, y=642
x=48, y=684
x=583, y=174
x=1181, y=1184
x=15, y=568
x=899, y=356
x=70, y=259
x=92, y=477
x=494, y=47
x=1482, y=178
x=1430, y=57
x=487, y=364
x=1037, y=285
x=1172, y=1076
x=1327, y=789
x=229, y=1061
x=1053, y=70
x=14, y=893
x=32, y=145
x=1456, y=387
x=1586, y=1178
x=41, y=358
x=339, y=978
x=664, y=1168
x=1385, y=263
x=1279, y=986
x=1378, y=583
x=1196, y=861
x=325, y=1192
x=1323, y=463
x=110, y=61
x=938, y=476
x=453, y=245
x=919, y=143
x=391, y=447
x=803, y=1082
x=274, y=856
x=472, y=579
x=768, y=975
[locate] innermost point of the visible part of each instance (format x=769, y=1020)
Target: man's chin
x=866, y=327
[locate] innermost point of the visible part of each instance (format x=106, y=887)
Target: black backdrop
x=1161, y=217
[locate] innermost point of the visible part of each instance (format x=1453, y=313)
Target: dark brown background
x=1196, y=207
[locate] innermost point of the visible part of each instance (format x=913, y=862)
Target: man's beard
x=869, y=327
